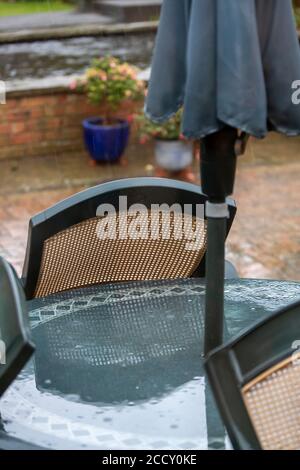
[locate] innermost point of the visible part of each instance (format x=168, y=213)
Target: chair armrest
x=230, y=271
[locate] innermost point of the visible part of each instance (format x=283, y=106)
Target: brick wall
x=46, y=124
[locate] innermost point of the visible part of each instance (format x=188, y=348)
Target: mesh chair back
x=256, y=383
x=80, y=255
x=273, y=403
x=15, y=344
x=69, y=248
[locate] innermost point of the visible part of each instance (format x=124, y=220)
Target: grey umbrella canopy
x=228, y=62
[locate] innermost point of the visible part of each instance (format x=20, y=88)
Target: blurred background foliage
x=20, y=7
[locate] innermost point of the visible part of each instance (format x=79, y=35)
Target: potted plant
x=172, y=151
x=109, y=82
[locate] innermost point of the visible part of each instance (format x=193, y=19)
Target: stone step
x=129, y=10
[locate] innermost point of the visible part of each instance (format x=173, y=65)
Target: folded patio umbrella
x=227, y=62
x=232, y=65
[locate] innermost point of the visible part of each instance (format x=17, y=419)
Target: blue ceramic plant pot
x=105, y=143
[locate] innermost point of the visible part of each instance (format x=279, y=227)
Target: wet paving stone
x=264, y=241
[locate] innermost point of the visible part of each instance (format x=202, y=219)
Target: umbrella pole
x=218, y=166
x=214, y=300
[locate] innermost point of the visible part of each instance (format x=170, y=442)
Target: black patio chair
x=256, y=383
x=65, y=250
x=16, y=346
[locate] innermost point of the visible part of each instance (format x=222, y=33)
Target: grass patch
x=33, y=6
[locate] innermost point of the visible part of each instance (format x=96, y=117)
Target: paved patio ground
x=265, y=238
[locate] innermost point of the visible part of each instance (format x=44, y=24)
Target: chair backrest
x=256, y=383
x=15, y=343
x=90, y=238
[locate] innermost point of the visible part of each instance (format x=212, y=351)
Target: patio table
x=120, y=366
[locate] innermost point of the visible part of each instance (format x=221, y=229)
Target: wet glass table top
x=120, y=366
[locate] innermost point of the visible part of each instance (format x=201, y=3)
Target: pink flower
x=73, y=85
x=102, y=76
x=143, y=140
